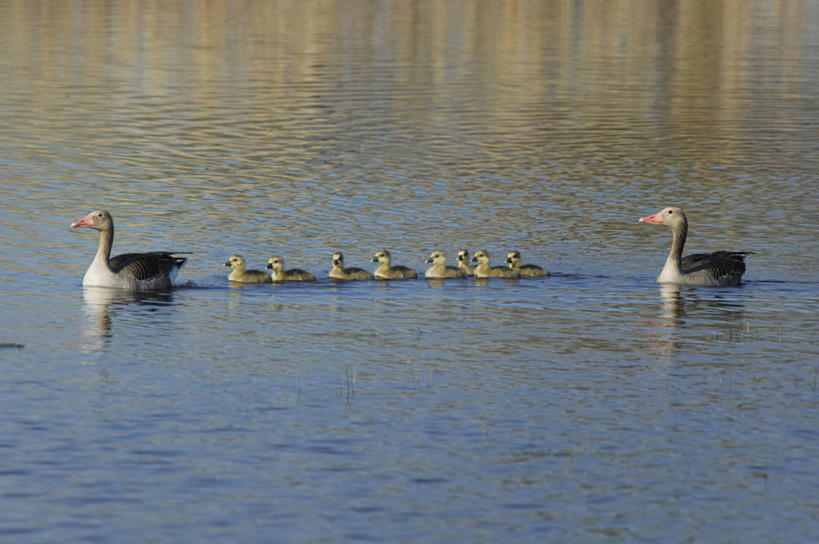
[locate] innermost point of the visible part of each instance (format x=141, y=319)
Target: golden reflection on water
x=315, y=126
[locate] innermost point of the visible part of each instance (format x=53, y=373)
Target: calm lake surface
x=590, y=406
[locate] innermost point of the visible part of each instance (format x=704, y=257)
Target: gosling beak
x=269, y=265
x=374, y=260
x=227, y=263
x=474, y=259
x=429, y=261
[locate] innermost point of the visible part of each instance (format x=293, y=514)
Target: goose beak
x=86, y=221
x=653, y=219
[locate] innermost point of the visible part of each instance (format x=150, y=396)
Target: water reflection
x=100, y=307
x=673, y=303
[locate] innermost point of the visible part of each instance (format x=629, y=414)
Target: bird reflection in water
x=101, y=306
x=673, y=303
x=660, y=328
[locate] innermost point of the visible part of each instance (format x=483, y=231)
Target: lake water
x=590, y=406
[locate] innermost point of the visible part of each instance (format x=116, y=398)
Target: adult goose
x=718, y=269
x=131, y=271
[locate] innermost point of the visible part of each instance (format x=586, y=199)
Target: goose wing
x=144, y=266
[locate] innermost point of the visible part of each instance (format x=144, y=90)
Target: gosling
x=463, y=262
x=240, y=275
x=387, y=272
x=279, y=274
x=526, y=270
x=484, y=270
x=439, y=270
x=338, y=272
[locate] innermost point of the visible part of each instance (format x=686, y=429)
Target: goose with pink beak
x=137, y=272
x=718, y=269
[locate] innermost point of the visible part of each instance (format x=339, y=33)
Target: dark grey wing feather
x=717, y=265
x=143, y=266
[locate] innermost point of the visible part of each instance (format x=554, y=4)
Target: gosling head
x=463, y=256
x=338, y=260
x=437, y=257
x=513, y=257
x=382, y=257
x=481, y=256
x=236, y=262
x=275, y=263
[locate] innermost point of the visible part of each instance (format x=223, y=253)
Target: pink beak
x=86, y=221
x=653, y=219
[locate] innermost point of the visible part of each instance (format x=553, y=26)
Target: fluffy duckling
x=239, y=274
x=439, y=270
x=484, y=270
x=526, y=270
x=338, y=272
x=387, y=272
x=279, y=274
x=463, y=262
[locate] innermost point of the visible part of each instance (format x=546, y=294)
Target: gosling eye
x=670, y=212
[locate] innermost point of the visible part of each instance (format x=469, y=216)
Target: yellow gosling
x=338, y=272
x=240, y=275
x=439, y=270
x=279, y=274
x=387, y=272
x=485, y=270
x=526, y=270
x=463, y=262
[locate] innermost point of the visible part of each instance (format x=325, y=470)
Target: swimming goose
x=439, y=270
x=338, y=272
x=718, y=269
x=463, y=262
x=240, y=275
x=132, y=271
x=526, y=270
x=484, y=270
x=387, y=272
x=279, y=274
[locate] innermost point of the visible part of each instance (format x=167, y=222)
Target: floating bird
x=132, y=271
x=718, y=269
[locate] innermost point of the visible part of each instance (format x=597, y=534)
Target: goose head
x=671, y=217
x=98, y=220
